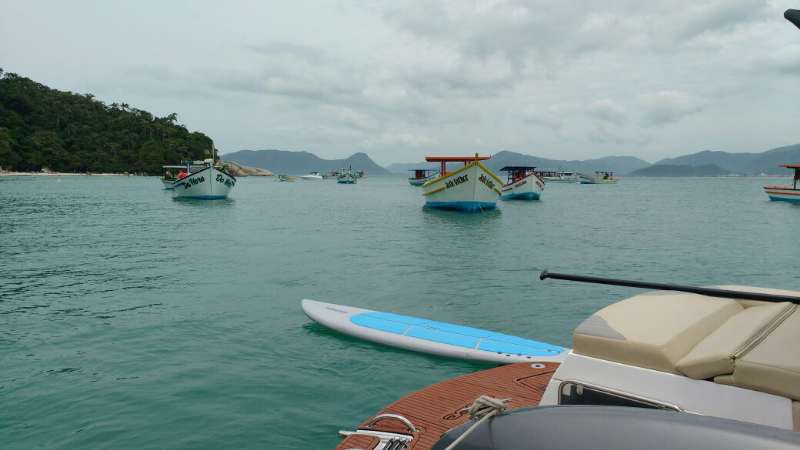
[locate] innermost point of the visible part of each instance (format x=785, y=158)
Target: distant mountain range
x=298, y=163
x=619, y=164
x=677, y=170
x=705, y=163
x=741, y=163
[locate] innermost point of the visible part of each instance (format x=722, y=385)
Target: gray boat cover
x=616, y=428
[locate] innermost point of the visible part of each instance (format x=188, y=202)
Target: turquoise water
x=130, y=320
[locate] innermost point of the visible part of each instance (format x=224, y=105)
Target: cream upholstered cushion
x=796, y=415
x=714, y=355
x=653, y=330
x=773, y=365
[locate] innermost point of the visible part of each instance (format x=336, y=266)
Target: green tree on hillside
x=63, y=131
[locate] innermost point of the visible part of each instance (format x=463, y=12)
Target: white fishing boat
x=312, y=176
x=473, y=187
x=558, y=177
x=523, y=184
x=421, y=176
x=347, y=176
x=203, y=180
x=786, y=192
x=599, y=177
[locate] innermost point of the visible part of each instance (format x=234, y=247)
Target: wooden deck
x=442, y=406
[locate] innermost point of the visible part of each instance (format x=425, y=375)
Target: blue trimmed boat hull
x=521, y=196
x=469, y=206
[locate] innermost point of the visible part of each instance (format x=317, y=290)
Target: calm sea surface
x=130, y=320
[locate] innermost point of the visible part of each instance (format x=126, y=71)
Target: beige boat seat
x=652, y=330
x=773, y=364
x=716, y=354
x=693, y=335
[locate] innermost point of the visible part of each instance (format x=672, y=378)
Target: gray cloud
x=570, y=79
x=667, y=107
x=608, y=111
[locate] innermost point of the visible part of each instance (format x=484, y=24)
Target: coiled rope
x=481, y=410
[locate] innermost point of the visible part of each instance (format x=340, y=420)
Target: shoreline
x=64, y=174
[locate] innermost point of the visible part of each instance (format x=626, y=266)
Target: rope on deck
x=481, y=410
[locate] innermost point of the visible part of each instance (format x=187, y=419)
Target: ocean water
x=131, y=320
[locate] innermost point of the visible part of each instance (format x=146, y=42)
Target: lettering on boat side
x=456, y=181
x=193, y=181
x=226, y=181
x=485, y=180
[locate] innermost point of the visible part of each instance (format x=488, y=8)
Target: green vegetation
x=66, y=132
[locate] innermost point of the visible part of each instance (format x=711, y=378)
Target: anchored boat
x=727, y=352
x=421, y=176
x=473, y=187
x=523, y=184
x=599, y=177
x=786, y=193
x=347, y=176
x=550, y=176
x=202, y=180
x=311, y=176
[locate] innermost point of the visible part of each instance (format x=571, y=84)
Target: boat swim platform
x=440, y=407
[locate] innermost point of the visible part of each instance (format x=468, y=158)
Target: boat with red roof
x=473, y=187
x=786, y=192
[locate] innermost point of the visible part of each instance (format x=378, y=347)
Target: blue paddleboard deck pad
x=457, y=335
x=430, y=336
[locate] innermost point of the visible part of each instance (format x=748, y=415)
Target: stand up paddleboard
x=429, y=336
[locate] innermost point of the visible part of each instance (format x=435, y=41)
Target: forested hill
x=42, y=127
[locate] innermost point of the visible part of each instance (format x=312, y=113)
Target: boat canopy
x=456, y=158
x=446, y=159
x=516, y=168
x=745, y=343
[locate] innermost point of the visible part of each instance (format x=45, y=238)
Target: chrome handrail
x=397, y=417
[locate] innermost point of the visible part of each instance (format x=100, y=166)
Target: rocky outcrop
x=239, y=170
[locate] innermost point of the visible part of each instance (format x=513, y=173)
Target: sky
x=401, y=79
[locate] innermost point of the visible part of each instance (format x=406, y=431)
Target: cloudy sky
x=399, y=79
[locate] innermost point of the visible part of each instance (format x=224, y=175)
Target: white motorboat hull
x=311, y=177
x=472, y=188
x=528, y=188
x=208, y=184
x=588, y=179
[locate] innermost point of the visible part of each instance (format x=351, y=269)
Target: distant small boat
x=347, y=176
x=286, y=178
x=471, y=188
x=599, y=177
x=558, y=177
x=785, y=192
x=312, y=176
x=421, y=176
x=523, y=184
x=202, y=180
